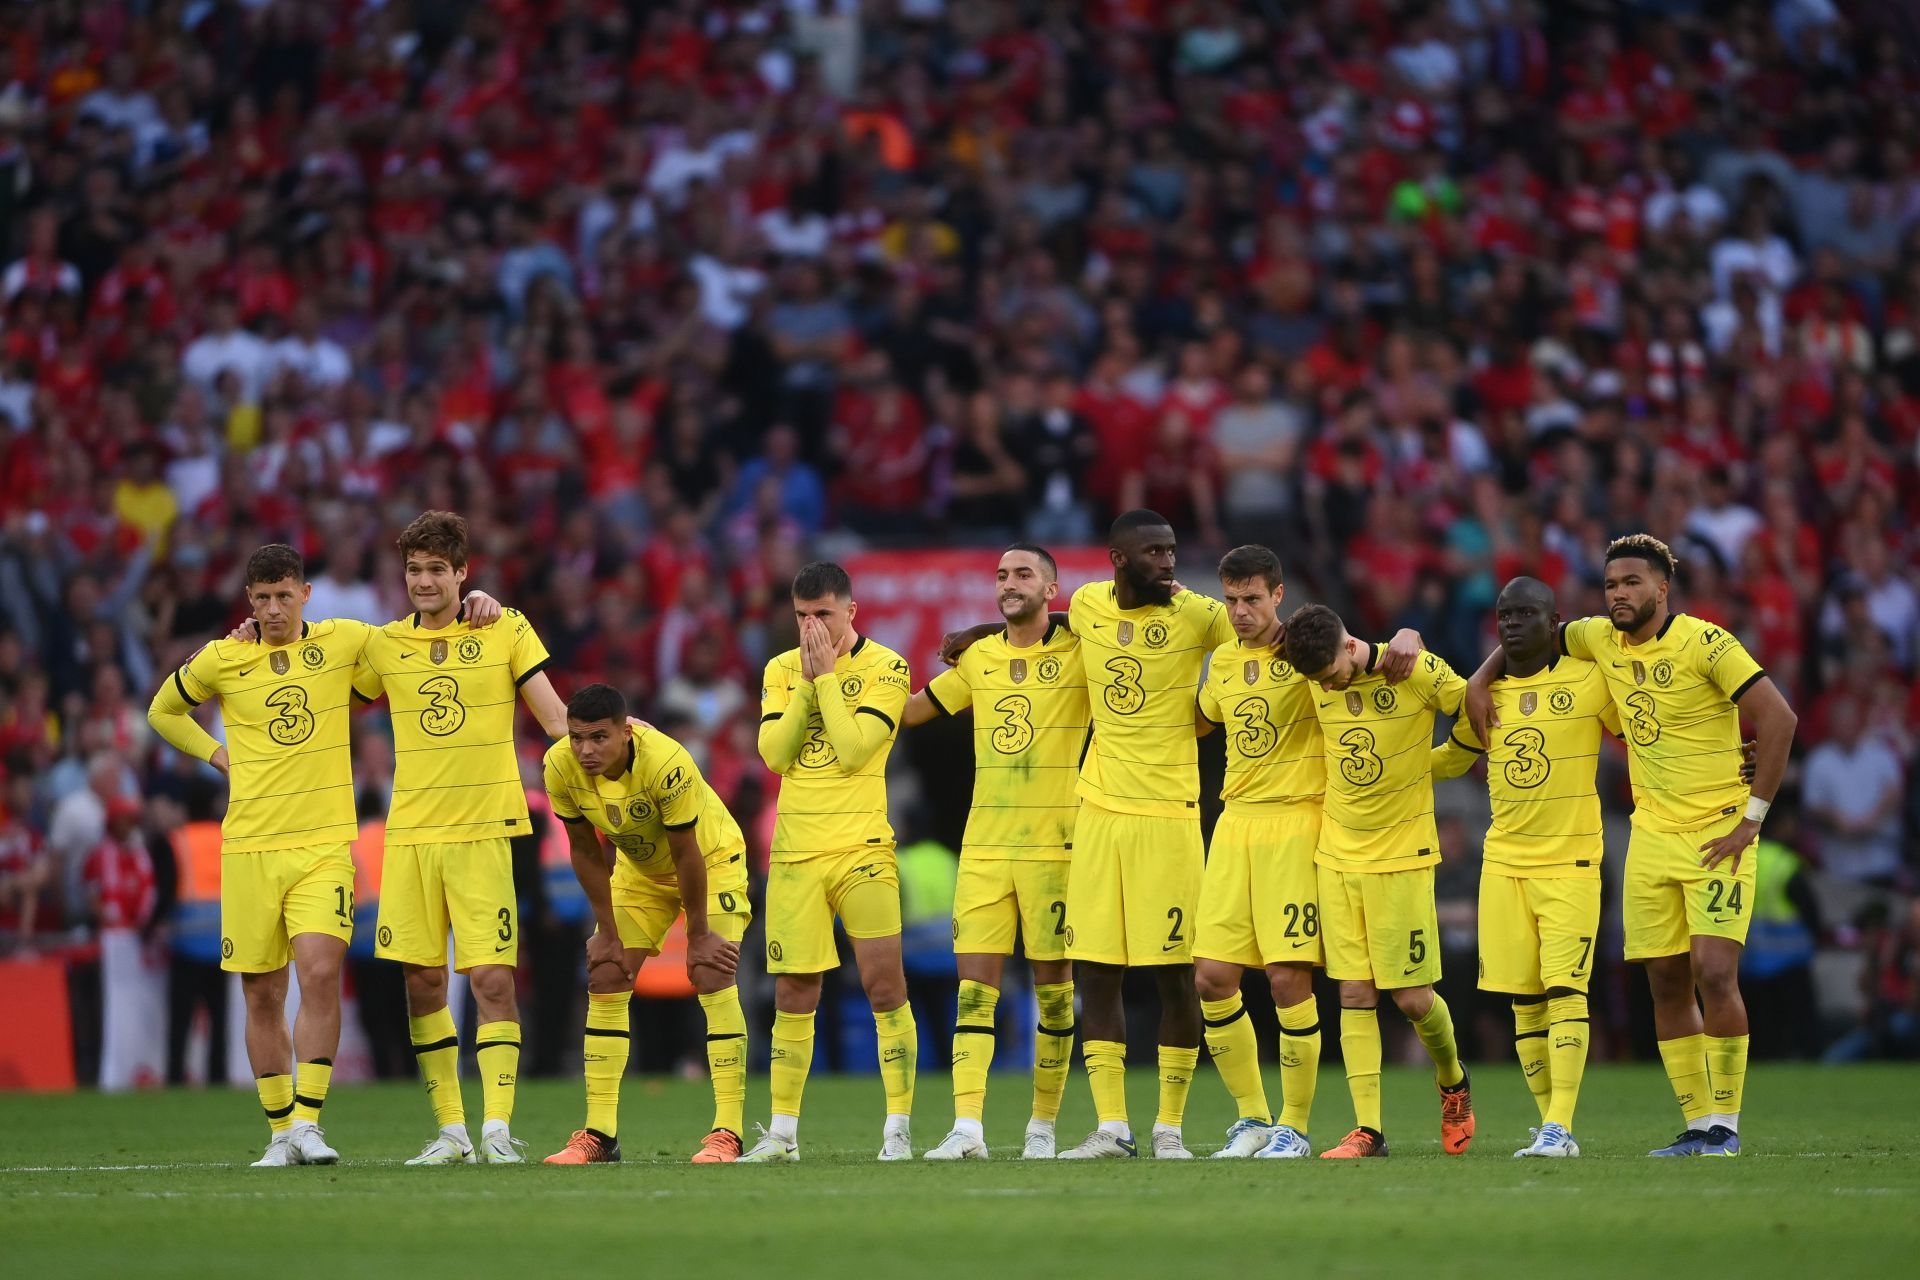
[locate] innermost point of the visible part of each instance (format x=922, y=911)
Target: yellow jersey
x=1029, y=731
x=1540, y=771
x=824, y=807
x=453, y=694
x=660, y=790
x=1273, y=736
x=1143, y=670
x=1675, y=694
x=1378, y=740
x=286, y=709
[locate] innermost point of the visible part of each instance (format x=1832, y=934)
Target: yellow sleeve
x=856, y=734
x=366, y=676
x=559, y=794
x=887, y=692
x=1576, y=637
x=171, y=711
x=783, y=717
x=1603, y=699
x=1210, y=701
x=1453, y=757
x=528, y=656
x=1441, y=685
x=950, y=690
x=1724, y=660
x=676, y=791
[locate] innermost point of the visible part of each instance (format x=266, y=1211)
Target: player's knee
x=492, y=984
x=1415, y=1002
x=320, y=978
x=426, y=988
x=606, y=979
x=885, y=991
x=1358, y=995
x=1717, y=976
x=1212, y=984
x=264, y=992
x=1289, y=987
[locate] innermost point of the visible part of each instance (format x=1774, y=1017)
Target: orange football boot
x=722, y=1146
x=1357, y=1145
x=1456, y=1118
x=586, y=1147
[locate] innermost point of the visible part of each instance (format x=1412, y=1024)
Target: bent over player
x=677, y=850
x=1680, y=685
x=1377, y=850
x=830, y=711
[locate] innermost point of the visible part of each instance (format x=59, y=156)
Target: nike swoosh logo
x=502, y=947
x=1411, y=971
x=247, y=671
x=1168, y=946
x=406, y=653
x=988, y=670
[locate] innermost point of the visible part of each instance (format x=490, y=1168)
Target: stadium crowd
x=668, y=297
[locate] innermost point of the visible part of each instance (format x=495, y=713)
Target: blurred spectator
x=26, y=870
x=1854, y=788
x=1890, y=983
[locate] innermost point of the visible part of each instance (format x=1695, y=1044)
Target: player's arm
x=1396, y=664
x=784, y=709
x=1456, y=755
x=1774, y=723
x=171, y=713
x=947, y=694
x=857, y=733
x=594, y=871
x=1206, y=711
x=704, y=946
x=527, y=660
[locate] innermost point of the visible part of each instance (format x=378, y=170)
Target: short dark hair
x=1039, y=553
x=275, y=562
x=597, y=702
x=1243, y=564
x=436, y=533
x=1138, y=518
x=1644, y=546
x=1313, y=638
x=820, y=579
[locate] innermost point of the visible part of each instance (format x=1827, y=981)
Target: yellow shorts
x=860, y=885
x=1133, y=887
x=1537, y=932
x=1380, y=927
x=1669, y=897
x=645, y=908
x=1259, y=899
x=427, y=889
x=995, y=898
x=270, y=897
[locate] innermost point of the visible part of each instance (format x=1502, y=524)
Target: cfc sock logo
x=892, y=1053
x=1289, y=1059
x=1723, y=1095
x=506, y=1080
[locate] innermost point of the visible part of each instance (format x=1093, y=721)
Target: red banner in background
x=909, y=599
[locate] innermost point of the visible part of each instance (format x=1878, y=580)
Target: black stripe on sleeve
x=1563, y=639
x=934, y=698
x=1747, y=684
x=532, y=671
x=362, y=698
x=573, y=821
x=770, y=718
x=181, y=686
x=1465, y=746
x=875, y=712
x=681, y=826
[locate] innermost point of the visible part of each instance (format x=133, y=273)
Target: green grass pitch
x=156, y=1185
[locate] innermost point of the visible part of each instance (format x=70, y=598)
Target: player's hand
x=955, y=643
x=219, y=759
x=1746, y=762
x=605, y=949
x=817, y=649
x=246, y=633
x=1402, y=651
x=713, y=951
x=1478, y=705
x=1731, y=845
x=482, y=610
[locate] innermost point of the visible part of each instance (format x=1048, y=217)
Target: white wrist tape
x=1757, y=809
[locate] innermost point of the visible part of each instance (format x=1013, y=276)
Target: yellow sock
x=899, y=1052
x=1568, y=1015
x=1053, y=1048
x=1360, y=1051
x=1436, y=1033
x=1299, y=1062
x=310, y=1083
x=1727, y=1073
x=436, y=1048
x=1107, y=1076
x=1686, y=1061
x=1531, y=1043
x=727, y=1058
x=1176, y=1081
x=1235, y=1052
x=604, y=1057
x=792, y=1055
x=973, y=1049
x=276, y=1099
x=496, y=1048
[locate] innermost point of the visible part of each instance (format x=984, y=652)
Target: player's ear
x=306, y=592
x=852, y=608
x=1052, y=592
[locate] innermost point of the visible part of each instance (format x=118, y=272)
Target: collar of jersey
x=458, y=617
x=305, y=628
x=1553, y=660
x=1657, y=636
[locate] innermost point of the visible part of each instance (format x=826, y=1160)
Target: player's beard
x=1149, y=587
x=1018, y=611
x=1641, y=617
